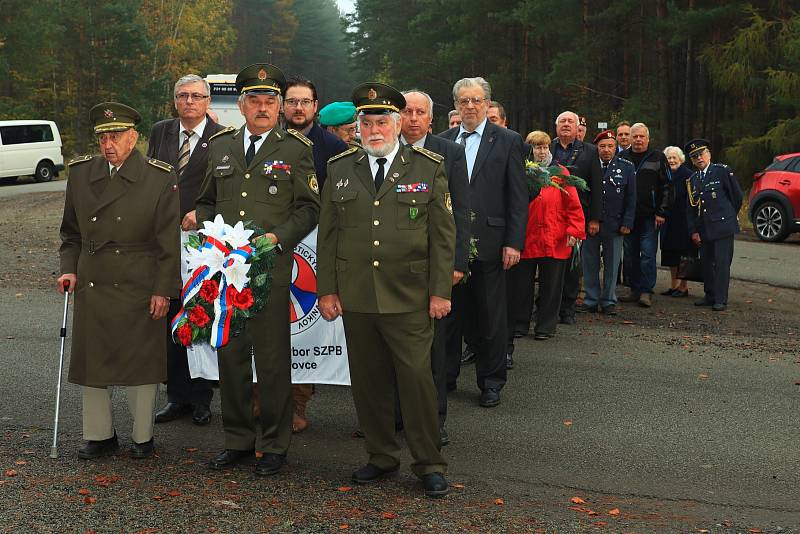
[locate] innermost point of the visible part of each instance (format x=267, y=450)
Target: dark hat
x=582, y=121
x=605, y=134
x=378, y=98
x=695, y=146
x=261, y=78
x=113, y=117
x=337, y=113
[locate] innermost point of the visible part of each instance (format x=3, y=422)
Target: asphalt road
x=26, y=184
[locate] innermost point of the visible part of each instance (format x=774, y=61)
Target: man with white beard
x=385, y=259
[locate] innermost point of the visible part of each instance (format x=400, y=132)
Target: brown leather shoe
x=645, y=300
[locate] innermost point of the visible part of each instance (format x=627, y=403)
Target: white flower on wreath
x=216, y=229
x=235, y=273
x=237, y=236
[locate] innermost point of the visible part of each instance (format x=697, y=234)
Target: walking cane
x=54, y=449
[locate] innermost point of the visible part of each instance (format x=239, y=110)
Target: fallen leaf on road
x=83, y=491
x=174, y=493
x=192, y=449
x=727, y=524
x=600, y=523
x=756, y=530
x=499, y=502
x=389, y=515
x=702, y=376
x=18, y=295
x=344, y=526
x=225, y=503
x=577, y=500
x=627, y=322
x=567, y=422
x=10, y=473
x=703, y=531
x=344, y=488
x=457, y=486
x=797, y=383
x=613, y=511
x=768, y=300
x=157, y=497
x=90, y=500
x=21, y=462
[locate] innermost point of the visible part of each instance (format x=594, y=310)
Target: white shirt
x=419, y=142
x=373, y=162
x=473, y=143
x=198, y=131
x=248, y=133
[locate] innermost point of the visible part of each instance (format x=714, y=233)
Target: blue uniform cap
x=695, y=146
x=337, y=113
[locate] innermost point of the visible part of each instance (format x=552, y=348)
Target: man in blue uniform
x=714, y=201
x=616, y=214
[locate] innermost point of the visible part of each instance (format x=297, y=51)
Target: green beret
x=113, y=117
x=337, y=113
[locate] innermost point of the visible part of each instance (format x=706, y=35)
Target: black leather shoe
x=509, y=361
x=142, y=450
x=96, y=449
x=679, y=294
x=611, y=309
x=228, y=458
x=371, y=473
x=490, y=397
x=567, y=319
x=585, y=308
x=444, y=439
x=269, y=464
x=172, y=411
x=703, y=302
x=201, y=415
x=435, y=485
x=719, y=307
x=468, y=356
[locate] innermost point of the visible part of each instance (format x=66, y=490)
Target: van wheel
x=44, y=172
x=770, y=222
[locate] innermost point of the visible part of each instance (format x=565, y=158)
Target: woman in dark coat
x=675, y=238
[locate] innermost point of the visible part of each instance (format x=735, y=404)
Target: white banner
x=319, y=350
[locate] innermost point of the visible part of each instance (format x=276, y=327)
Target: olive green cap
x=261, y=78
x=113, y=117
x=378, y=98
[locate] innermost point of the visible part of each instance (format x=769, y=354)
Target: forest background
x=725, y=70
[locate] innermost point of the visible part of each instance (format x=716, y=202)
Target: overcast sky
x=346, y=6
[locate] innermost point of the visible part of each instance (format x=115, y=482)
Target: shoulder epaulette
x=301, y=137
x=79, y=159
x=721, y=165
x=160, y=164
x=627, y=161
x=425, y=152
x=343, y=154
x=224, y=131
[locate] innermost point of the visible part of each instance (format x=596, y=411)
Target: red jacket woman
x=554, y=216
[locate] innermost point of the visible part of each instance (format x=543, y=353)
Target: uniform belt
x=93, y=247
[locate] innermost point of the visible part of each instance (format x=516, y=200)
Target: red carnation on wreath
x=199, y=317
x=184, y=334
x=209, y=290
x=242, y=299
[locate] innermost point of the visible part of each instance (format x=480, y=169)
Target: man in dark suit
x=416, y=118
x=581, y=160
x=499, y=208
x=183, y=143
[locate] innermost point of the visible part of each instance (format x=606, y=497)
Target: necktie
x=113, y=173
x=605, y=165
x=379, y=175
x=464, y=136
x=251, y=150
x=183, y=153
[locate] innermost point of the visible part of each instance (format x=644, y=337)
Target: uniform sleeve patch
x=313, y=183
x=448, y=203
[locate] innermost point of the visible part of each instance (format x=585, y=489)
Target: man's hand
x=624, y=230
x=158, y=307
x=457, y=276
x=594, y=227
x=510, y=257
x=272, y=238
x=330, y=307
x=696, y=239
x=189, y=221
x=659, y=221
x=439, y=307
x=69, y=277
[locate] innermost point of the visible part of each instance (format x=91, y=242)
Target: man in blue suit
x=615, y=219
x=714, y=201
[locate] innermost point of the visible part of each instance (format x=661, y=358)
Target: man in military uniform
x=715, y=198
x=385, y=262
x=118, y=255
x=339, y=118
x=264, y=174
x=618, y=207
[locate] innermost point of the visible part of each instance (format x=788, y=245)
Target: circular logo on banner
x=303, y=308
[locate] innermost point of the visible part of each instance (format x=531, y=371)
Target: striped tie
x=184, y=152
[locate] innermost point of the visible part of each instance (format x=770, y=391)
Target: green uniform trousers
x=380, y=348
x=268, y=335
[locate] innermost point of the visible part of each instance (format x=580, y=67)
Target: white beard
x=387, y=148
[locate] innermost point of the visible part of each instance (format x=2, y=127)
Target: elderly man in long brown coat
x=118, y=256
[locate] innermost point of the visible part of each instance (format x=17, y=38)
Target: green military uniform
x=385, y=253
x=278, y=192
x=118, y=237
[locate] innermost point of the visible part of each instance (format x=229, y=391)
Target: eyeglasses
x=295, y=102
x=183, y=97
x=475, y=100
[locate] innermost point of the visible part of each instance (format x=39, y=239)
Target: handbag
x=690, y=268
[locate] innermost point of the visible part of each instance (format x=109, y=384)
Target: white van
x=30, y=148
x=224, y=98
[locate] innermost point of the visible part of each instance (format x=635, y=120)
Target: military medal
x=713, y=194
x=412, y=213
x=225, y=158
x=273, y=189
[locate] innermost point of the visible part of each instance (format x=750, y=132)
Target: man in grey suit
x=183, y=143
x=416, y=118
x=499, y=204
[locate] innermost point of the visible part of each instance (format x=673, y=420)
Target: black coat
x=675, y=233
x=455, y=165
x=618, y=204
x=164, y=145
x=585, y=163
x=498, y=192
x=720, y=198
x=326, y=145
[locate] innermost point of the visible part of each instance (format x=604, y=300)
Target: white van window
x=29, y=133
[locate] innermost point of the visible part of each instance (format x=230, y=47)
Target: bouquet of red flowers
x=230, y=282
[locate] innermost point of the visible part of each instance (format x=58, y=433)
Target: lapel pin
x=204, y=145
x=396, y=175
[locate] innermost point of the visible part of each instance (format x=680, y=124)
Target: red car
x=775, y=199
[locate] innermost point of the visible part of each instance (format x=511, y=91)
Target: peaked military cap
x=695, y=146
x=337, y=113
x=261, y=78
x=605, y=134
x=113, y=117
x=378, y=98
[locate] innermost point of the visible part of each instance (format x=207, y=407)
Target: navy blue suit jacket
x=326, y=145
x=720, y=199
